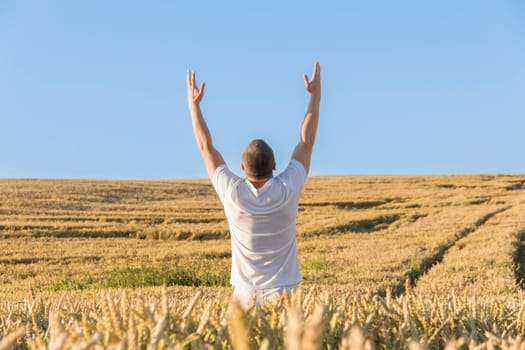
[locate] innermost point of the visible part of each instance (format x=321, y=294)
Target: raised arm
x=303, y=150
x=212, y=158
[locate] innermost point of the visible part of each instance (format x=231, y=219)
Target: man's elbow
x=205, y=146
x=308, y=141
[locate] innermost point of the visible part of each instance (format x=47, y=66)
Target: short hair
x=258, y=160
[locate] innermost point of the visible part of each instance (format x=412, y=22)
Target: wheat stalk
x=10, y=340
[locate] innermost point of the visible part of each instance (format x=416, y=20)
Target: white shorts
x=247, y=295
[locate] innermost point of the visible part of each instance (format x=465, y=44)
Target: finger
x=306, y=81
x=316, y=73
x=188, y=78
x=193, y=79
x=200, y=93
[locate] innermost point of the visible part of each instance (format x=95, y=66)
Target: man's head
x=258, y=160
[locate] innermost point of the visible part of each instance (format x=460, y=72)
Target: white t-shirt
x=262, y=226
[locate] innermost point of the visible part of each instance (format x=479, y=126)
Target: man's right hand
x=194, y=94
x=314, y=86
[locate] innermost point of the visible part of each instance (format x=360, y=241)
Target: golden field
x=388, y=262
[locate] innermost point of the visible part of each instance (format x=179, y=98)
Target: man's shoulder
x=223, y=178
x=223, y=171
x=295, y=169
x=297, y=164
x=294, y=176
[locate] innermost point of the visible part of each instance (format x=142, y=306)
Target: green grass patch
x=136, y=277
x=317, y=264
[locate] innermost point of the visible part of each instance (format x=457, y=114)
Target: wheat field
x=388, y=262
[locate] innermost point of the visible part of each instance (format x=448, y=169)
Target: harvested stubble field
x=388, y=262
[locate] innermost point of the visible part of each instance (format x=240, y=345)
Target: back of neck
x=258, y=183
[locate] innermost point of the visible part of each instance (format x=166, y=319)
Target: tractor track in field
x=411, y=278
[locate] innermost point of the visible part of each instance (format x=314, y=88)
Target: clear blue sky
x=96, y=89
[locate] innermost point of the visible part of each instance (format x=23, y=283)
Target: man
x=261, y=209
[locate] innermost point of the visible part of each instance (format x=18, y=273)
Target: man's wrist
x=316, y=97
x=193, y=105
